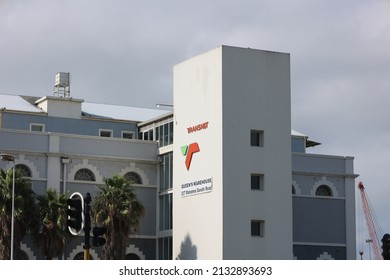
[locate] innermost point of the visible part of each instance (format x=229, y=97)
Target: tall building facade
x=222, y=176
x=323, y=192
x=236, y=129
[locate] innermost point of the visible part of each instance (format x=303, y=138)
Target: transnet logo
x=188, y=151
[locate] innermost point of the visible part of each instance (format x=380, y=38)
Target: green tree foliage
x=117, y=208
x=24, y=215
x=52, y=217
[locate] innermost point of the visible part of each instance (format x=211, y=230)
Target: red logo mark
x=188, y=151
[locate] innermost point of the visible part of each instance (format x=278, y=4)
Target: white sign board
x=197, y=187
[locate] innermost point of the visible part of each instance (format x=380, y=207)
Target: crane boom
x=370, y=224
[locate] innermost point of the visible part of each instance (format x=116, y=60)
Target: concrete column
x=350, y=213
x=53, y=163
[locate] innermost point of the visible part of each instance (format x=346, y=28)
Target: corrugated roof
x=116, y=112
x=127, y=113
x=17, y=103
x=121, y=112
x=309, y=143
x=297, y=133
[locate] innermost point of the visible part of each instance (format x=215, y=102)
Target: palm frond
x=116, y=207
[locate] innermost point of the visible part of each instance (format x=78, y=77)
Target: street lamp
x=7, y=157
x=369, y=241
x=158, y=105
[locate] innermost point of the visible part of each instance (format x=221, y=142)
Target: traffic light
x=75, y=215
x=97, y=240
x=386, y=246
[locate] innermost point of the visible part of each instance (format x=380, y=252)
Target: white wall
x=233, y=90
x=61, y=107
x=256, y=95
x=197, y=99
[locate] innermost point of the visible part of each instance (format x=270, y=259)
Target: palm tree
x=52, y=217
x=117, y=208
x=24, y=212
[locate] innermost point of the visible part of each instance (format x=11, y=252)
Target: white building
x=232, y=112
x=223, y=176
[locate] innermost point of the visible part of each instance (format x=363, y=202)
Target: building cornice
x=327, y=174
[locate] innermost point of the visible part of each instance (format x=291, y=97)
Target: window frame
x=40, y=125
x=259, y=185
x=322, y=188
x=82, y=180
x=24, y=170
x=165, y=212
x=257, y=228
x=132, y=174
x=132, y=133
x=166, y=171
x=256, y=138
x=102, y=130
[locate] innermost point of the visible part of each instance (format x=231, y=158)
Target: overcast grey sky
x=122, y=52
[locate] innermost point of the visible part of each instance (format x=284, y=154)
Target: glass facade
x=165, y=248
x=164, y=134
x=166, y=171
x=165, y=204
x=165, y=212
x=161, y=132
x=146, y=135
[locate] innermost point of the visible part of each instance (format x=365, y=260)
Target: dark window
x=170, y=140
x=24, y=170
x=257, y=182
x=164, y=134
x=165, y=248
x=147, y=135
x=166, y=171
x=133, y=177
x=324, y=190
x=257, y=138
x=84, y=174
x=165, y=202
x=132, y=256
x=293, y=189
x=105, y=133
x=37, y=127
x=257, y=228
x=127, y=135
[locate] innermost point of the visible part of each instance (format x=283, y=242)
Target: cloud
x=122, y=52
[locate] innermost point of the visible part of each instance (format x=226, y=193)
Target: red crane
x=370, y=223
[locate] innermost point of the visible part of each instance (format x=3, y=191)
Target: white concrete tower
x=232, y=156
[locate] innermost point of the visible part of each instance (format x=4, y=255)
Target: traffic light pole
x=386, y=246
x=75, y=211
x=87, y=225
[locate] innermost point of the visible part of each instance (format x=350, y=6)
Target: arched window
x=132, y=256
x=24, y=170
x=80, y=256
x=324, y=190
x=293, y=189
x=84, y=174
x=133, y=177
